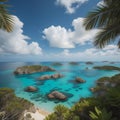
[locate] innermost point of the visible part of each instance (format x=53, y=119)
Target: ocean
x=66, y=85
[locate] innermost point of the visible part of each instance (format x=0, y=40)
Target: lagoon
x=75, y=91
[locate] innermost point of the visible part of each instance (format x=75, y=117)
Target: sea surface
x=74, y=90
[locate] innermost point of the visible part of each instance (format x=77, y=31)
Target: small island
x=107, y=68
x=32, y=69
x=89, y=63
x=56, y=64
x=73, y=63
x=104, y=83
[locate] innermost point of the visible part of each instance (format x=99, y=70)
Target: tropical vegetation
x=106, y=17
x=12, y=107
x=6, y=19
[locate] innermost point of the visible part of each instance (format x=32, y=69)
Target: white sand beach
x=38, y=115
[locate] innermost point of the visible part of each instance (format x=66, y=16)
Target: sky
x=52, y=30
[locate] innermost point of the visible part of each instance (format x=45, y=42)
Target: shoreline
x=43, y=112
x=39, y=114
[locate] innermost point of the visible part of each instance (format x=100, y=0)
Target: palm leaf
x=100, y=17
x=107, y=18
x=3, y=0
x=6, y=20
x=106, y=35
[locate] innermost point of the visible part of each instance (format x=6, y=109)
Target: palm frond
x=3, y=0
x=106, y=35
x=6, y=20
x=100, y=17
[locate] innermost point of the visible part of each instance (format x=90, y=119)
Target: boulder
x=54, y=76
x=44, y=77
x=31, y=89
x=57, y=95
x=80, y=80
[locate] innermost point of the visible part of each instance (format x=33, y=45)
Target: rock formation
x=54, y=76
x=32, y=69
x=79, y=80
x=57, y=95
x=31, y=89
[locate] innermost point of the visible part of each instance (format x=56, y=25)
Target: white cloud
x=109, y=53
x=101, y=3
x=66, y=52
x=70, y=5
x=80, y=35
x=58, y=37
x=15, y=42
x=66, y=38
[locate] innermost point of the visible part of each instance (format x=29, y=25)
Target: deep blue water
x=65, y=84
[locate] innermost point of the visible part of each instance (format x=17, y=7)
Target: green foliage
x=12, y=105
x=59, y=113
x=69, y=115
x=51, y=117
x=103, y=79
x=115, y=79
x=112, y=101
x=32, y=67
x=107, y=68
x=6, y=20
x=107, y=18
x=101, y=115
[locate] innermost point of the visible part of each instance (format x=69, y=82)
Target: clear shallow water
x=65, y=84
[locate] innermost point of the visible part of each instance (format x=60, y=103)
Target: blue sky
x=52, y=30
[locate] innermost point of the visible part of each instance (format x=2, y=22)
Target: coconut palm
x=106, y=17
x=6, y=20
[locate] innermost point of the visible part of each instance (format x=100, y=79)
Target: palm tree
x=106, y=17
x=101, y=115
x=6, y=20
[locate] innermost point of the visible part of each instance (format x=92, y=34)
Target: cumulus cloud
x=110, y=52
x=67, y=38
x=58, y=37
x=70, y=5
x=16, y=42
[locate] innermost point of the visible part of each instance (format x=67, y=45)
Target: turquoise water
x=65, y=84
